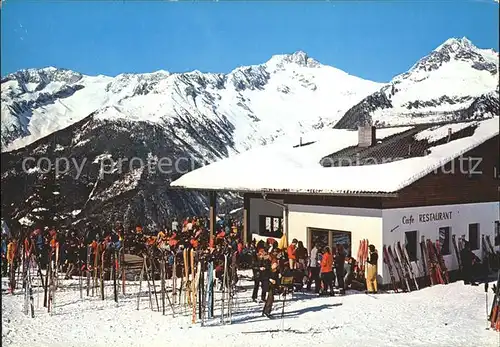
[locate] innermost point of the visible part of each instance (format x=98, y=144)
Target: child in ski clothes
x=371, y=270
x=291, y=254
x=273, y=286
x=314, y=270
x=327, y=271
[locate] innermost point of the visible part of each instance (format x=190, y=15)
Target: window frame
x=444, y=243
x=412, y=255
x=477, y=241
x=278, y=233
x=330, y=236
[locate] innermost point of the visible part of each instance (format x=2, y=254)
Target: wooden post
x=213, y=212
x=247, y=236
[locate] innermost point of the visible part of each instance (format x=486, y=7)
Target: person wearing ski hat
x=371, y=270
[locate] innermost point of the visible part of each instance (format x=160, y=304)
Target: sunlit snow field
x=443, y=315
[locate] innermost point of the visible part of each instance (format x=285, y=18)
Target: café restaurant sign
x=426, y=217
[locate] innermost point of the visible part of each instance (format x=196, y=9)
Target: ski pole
x=283, y=311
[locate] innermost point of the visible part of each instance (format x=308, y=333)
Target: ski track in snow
x=452, y=315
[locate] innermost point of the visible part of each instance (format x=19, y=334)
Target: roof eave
x=286, y=192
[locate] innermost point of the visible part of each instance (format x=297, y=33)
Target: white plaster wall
x=260, y=207
x=462, y=215
x=362, y=223
x=375, y=225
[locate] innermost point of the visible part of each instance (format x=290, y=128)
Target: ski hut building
x=396, y=184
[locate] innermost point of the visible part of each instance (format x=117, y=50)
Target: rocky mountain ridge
x=196, y=118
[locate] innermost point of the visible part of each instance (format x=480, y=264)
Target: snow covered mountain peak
x=459, y=50
x=454, y=81
x=42, y=77
x=455, y=44
x=209, y=116
x=300, y=58
x=287, y=95
x=251, y=103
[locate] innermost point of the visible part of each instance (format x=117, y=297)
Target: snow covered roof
x=284, y=167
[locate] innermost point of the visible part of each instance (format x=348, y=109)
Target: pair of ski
x=163, y=279
x=362, y=256
x=489, y=253
x=51, y=279
x=191, y=280
x=29, y=306
x=148, y=270
x=31, y=267
x=227, y=296
x=229, y=281
x=97, y=277
x=402, y=264
x=145, y=272
x=195, y=284
x=433, y=261
x=210, y=290
x=187, y=281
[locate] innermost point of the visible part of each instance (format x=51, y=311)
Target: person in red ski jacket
x=291, y=253
x=327, y=271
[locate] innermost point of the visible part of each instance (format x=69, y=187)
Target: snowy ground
x=452, y=315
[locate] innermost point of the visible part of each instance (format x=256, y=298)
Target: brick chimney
x=367, y=136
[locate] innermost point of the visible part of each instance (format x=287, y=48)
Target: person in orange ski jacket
x=11, y=251
x=53, y=244
x=291, y=253
x=12, y=262
x=327, y=271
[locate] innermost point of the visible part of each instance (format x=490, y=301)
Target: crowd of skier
x=276, y=266
x=271, y=260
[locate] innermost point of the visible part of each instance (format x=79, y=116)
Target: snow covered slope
x=285, y=96
x=455, y=81
x=443, y=315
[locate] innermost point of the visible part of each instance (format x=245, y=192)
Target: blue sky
x=373, y=40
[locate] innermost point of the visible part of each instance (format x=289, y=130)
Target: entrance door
x=330, y=238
